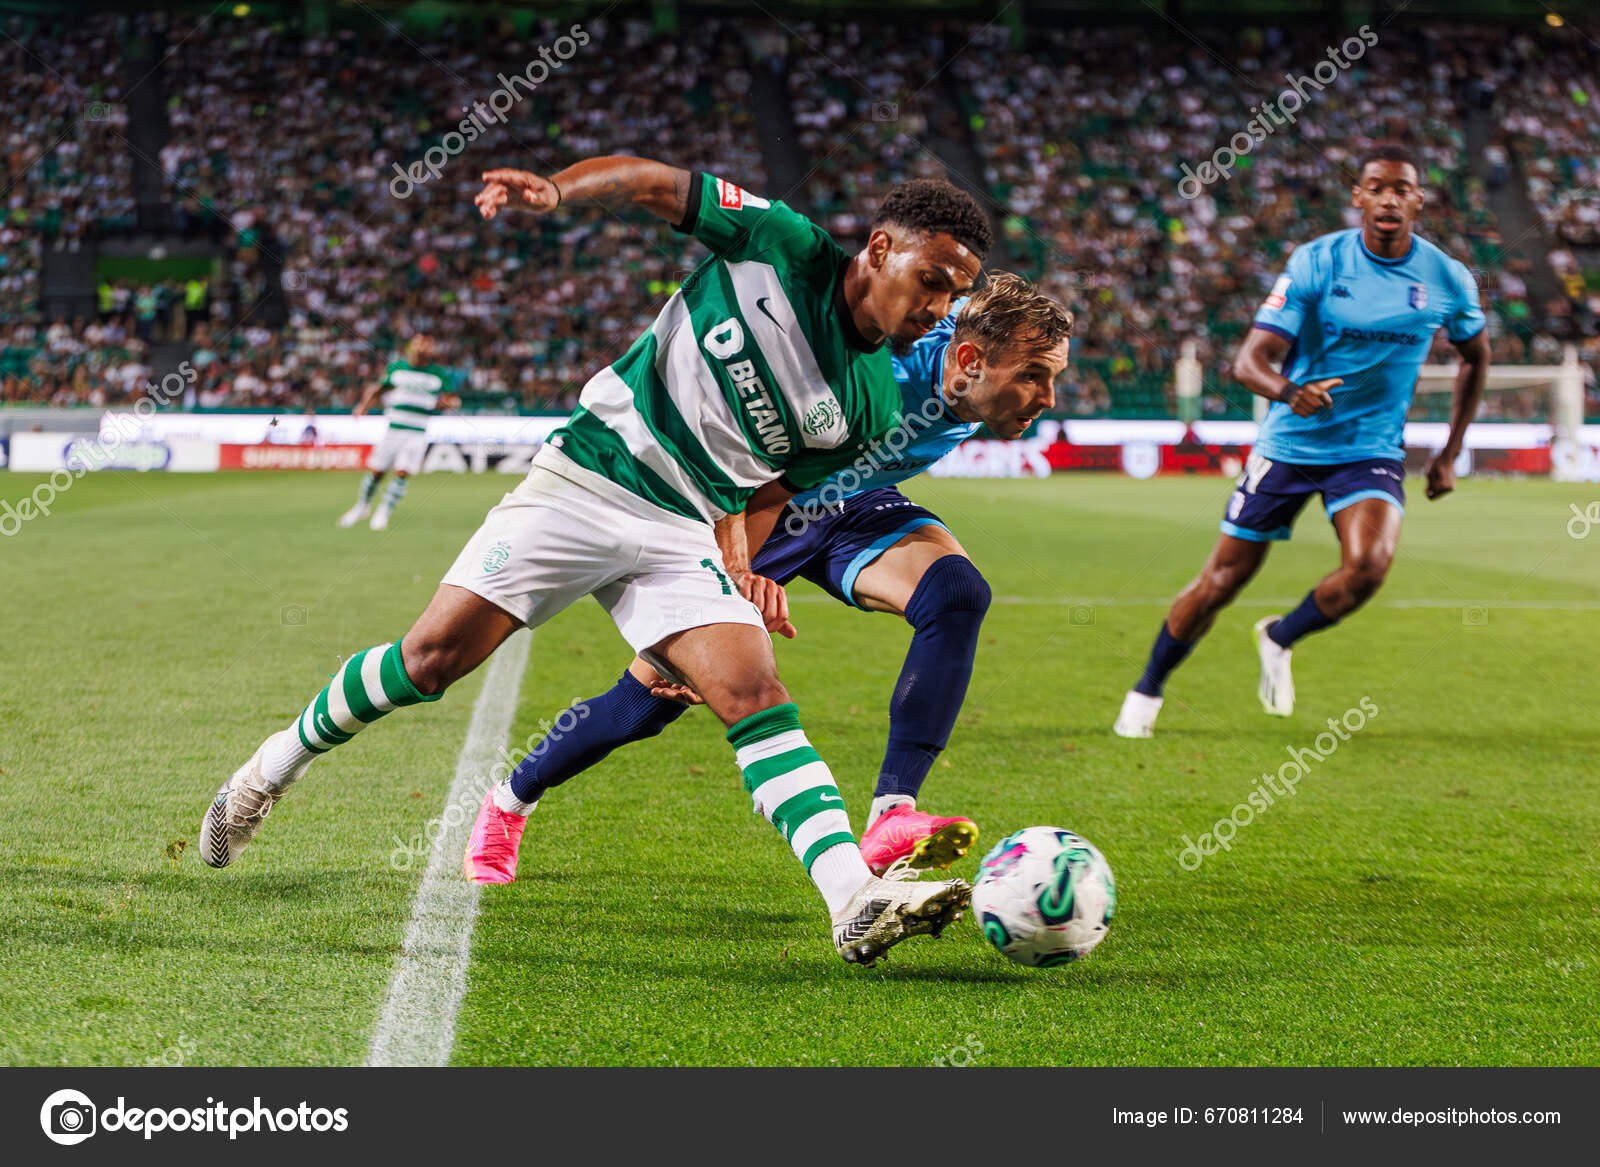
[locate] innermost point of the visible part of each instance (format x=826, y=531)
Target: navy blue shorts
x=830, y=546
x=1270, y=494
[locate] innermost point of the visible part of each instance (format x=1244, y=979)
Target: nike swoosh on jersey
x=767, y=312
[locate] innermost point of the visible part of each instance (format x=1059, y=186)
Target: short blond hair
x=1009, y=313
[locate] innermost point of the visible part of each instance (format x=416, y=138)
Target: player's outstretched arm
x=616, y=181
x=1256, y=366
x=367, y=399
x=1470, y=380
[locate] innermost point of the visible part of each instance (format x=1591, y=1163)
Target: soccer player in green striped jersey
x=416, y=391
x=768, y=365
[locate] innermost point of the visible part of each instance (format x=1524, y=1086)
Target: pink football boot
x=922, y=840
x=492, y=849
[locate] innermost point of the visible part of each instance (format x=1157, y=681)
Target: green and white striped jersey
x=753, y=370
x=413, y=395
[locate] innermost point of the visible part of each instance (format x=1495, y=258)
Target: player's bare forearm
x=620, y=181
x=1471, y=377
x=762, y=512
x=1256, y=366
x=735, y=537
x=616, y=181
x=735, y=547
x=367, y=399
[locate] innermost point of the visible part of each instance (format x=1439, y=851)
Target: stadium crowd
x=68, y=173
x=330, y=196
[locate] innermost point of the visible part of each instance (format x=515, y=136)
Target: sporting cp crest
x=1419, y=296
x=824, y=414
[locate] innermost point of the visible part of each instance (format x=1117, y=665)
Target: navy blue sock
x=1166, y=654
x=1303, y=621
x=624, y=713
x=947, y=611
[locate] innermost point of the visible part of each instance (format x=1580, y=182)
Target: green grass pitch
x=1428, y=896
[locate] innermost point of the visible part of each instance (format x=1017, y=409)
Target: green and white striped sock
x=793, y=789
x=369, y=483
x=369, y=684
x=394, y=492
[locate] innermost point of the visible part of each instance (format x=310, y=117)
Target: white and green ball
x=1044, y=896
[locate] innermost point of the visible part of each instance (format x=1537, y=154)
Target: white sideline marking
x=1264, y=602
x=418, y=1024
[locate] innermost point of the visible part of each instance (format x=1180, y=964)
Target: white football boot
x=1276, y=689
x=235, y=815
x=355, y=514
x=1138, y=716
x=884, y=911
x=380, y=519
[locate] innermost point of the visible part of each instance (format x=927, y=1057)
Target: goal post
x=1557, y=388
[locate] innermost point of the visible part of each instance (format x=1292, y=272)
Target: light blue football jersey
x=930, y=430
x=1349, y=314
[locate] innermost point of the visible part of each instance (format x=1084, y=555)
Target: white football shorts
x=400, y=450
x=566, y=532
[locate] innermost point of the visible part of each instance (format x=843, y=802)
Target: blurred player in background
x=416, y=391
x=991, y=362
x=1350, y=322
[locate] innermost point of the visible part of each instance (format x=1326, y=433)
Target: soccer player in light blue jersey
x=1349, y=324
x=993, y=361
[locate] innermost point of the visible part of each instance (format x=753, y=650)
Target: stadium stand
x=1080, y=134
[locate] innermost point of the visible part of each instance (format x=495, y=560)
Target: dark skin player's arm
x=1471, y=377
x=617, y=181
x=735, y=535
x=754, y=524
x=762, y=512
x=1256, y=366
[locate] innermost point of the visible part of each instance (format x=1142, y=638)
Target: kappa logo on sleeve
x=1277, y=297
x=736, y=198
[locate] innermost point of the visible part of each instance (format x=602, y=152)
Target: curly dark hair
x=939, y=208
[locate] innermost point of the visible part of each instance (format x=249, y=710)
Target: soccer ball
x=1044, y=896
